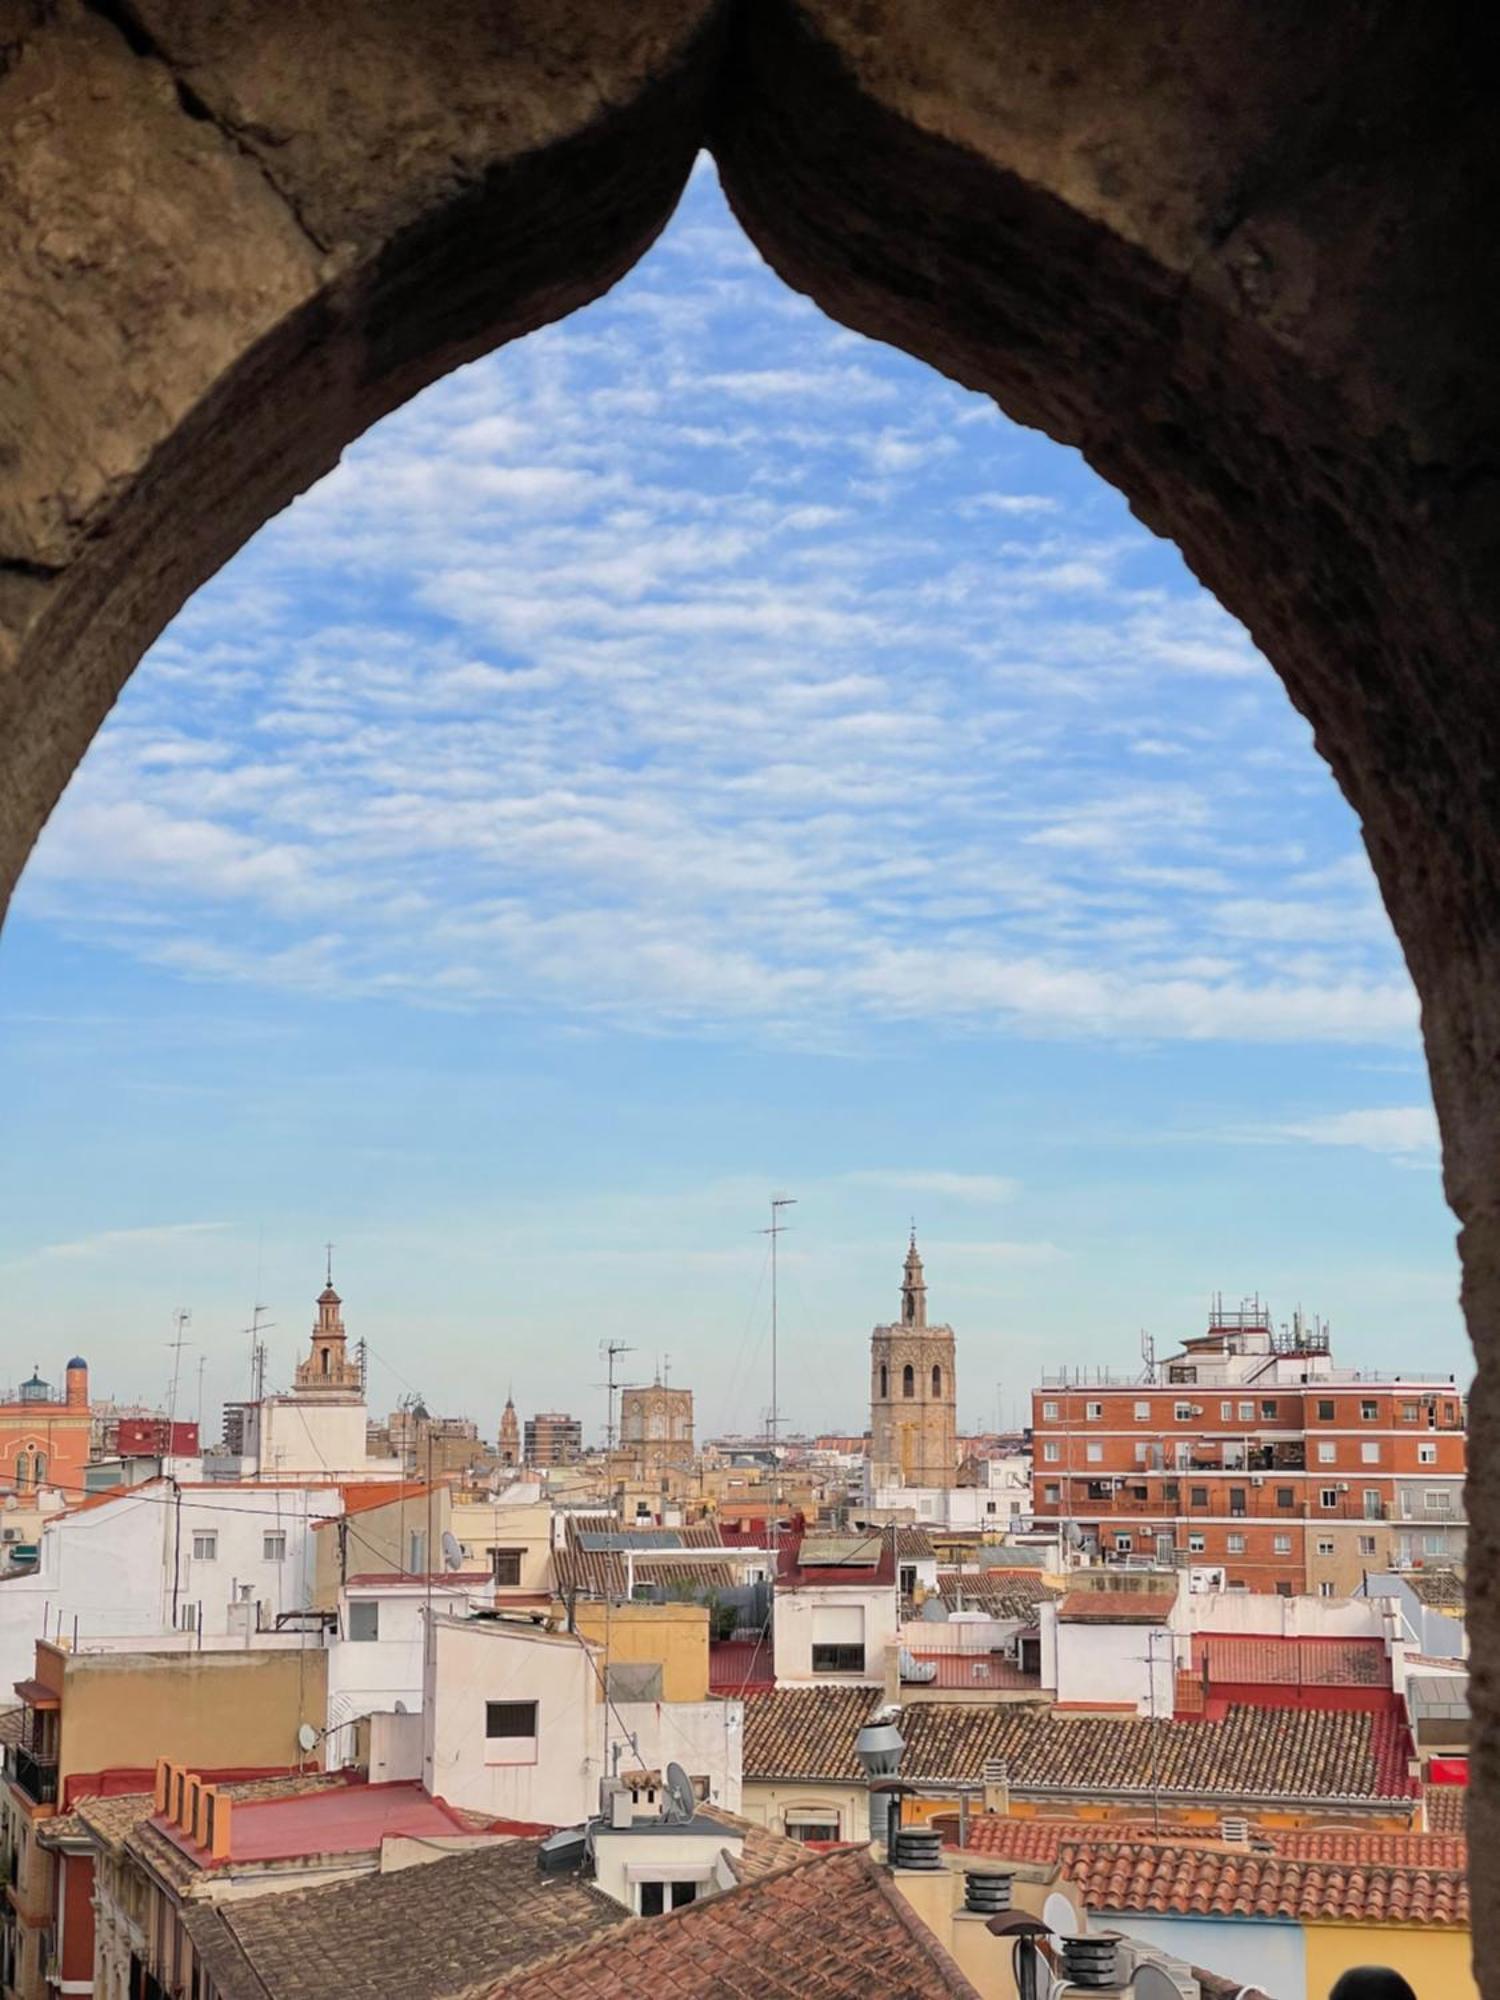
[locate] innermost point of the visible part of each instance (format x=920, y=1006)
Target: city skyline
x=693, y=753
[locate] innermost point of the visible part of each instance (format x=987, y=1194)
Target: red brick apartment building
x=1250, y=1454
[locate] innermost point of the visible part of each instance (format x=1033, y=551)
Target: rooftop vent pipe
x=986, y=1895
x=1089, y=1961
x=919, y=1847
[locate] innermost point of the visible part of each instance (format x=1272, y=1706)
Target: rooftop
x=832, y=1926
x=1003, y=1593
x=1249, y=1754
x=593, y=1560
x=1329, y=1877
x=340, y=1819
x=424, y=1932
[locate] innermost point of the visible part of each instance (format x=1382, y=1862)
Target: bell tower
x=328, y=1366
x=913, y=1392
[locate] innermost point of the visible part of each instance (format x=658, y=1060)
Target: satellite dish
x=453, y=1554
x=1152, y=1983
x=679, y=1801
x=307, y=1736
x=1061, y=1917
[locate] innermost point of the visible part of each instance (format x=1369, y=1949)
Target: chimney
x=891, y=1690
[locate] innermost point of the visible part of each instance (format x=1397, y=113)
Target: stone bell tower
x=913, y=1392
x=328, y=1366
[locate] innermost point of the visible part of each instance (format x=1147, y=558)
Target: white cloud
x=945, y=1186
x=1407, y=1132
x=115, y=1243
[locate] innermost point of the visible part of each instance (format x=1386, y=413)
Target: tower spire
x=913, y=1286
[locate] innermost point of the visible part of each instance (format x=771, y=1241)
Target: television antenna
x=181, y=1319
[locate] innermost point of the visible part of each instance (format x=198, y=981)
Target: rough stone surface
x=1242, y=256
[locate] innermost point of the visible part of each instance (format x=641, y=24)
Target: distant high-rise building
x=1252, y=1460
x=913, y=1392
x=553, y=1438
x=656, y=1427
x=510, y=1435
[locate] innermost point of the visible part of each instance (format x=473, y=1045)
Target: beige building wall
x=778, y=1803
x=208, y=1710
x=482, y=1525
x=675, y=1636
x=404, y=1536
x=938, y=1900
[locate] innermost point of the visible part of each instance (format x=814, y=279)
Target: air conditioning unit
x=1197, y=1409
x=1257, y=1479
x=1343, y=1486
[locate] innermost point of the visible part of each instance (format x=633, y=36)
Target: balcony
x=36, y=1775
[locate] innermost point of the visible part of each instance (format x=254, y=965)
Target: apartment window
x=1051, y=1495
x=1247, y=1413
x=1427, y=1454
x=1051, y=1451
x=1049, y=1413
x=1434, y=1545
x=805, y=1829
x=205, y=1547
x=1236, y=1545
x=1325, y=1590
x=1171, y=1490
x=1196, y=1545
x=1282, y=1544
x=656, y=1898
x=364, y=1618
x=838, y=1659
x=1198, y=1496
x=1283, y=1589
x=1268, y=1412
x=1236, y=1499
x=505, y=1566
x=1325, y=1546
x=1093, y=1412
x=510, y=1732
x=1142, y=1452
x=1182, y=1412
x=1325, y=1411
x=1367, y=1545
x=273, y=1548
x=1328, y=1454
x=1369, y=1410
x=1328, y=1496
x=1435, y=1502
x=1226, y=1412
x=1411, y=1413
x=1369, y=1452
x=1143, y=1413
x=1124, y=1544
x=1093, y=1454
x=1286, y=1496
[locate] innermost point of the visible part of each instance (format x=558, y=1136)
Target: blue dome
x=78, y=1362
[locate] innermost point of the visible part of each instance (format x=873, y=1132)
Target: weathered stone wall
x=1241, y=255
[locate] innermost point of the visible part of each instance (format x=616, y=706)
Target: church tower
x=328, y=1366
x=510, y=1434
x=913, y=1392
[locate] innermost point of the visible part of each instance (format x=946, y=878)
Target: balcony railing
x=36, y=1775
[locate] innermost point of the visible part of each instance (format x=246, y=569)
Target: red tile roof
x=835, y=1928
x=1198, y=1878
x=1447, y=1807
x=1117, y=1607
x=347, y=1819
x=737, y=1665
x=1249, y=1755
x=1041, y=1839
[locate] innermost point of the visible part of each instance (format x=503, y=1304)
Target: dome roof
x=78, y=1362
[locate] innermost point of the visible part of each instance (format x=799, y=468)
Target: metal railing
x=36, y=1775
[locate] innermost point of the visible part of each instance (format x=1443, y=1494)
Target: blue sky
x=695, y=753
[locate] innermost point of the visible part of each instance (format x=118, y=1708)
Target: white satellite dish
x=679, y=1799
x=1060, y=1916
x=453, y=1555
x=307, y=1736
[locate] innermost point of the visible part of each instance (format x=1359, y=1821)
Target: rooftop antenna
x=1148, y=1354
x=777, y=1228
x=328, y=1267
x=611, y=1349
x=180, y=1319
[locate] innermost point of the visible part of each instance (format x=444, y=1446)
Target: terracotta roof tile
x=1253, y=1753
x=1328, y=1876
x=426, y=1931
x=833, y=1927
x=1447, y=1808
x=1003, y=1593
x=805, y=1732
x=1117, y=1607
x=1438, y=1587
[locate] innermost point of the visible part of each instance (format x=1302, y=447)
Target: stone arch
x=937, y=1380
x=908, y=1380
x=1236, y=256
x=884, y=1383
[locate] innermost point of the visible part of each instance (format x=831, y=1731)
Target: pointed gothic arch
x=1237, y=258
